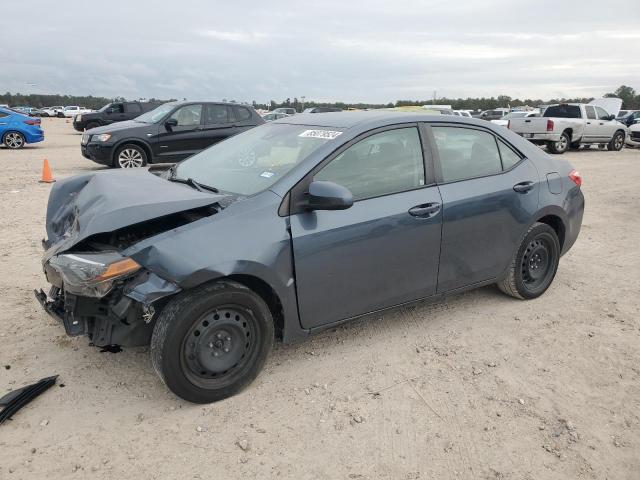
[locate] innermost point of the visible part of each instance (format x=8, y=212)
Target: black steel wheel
x=210, y=342
x=534, y=265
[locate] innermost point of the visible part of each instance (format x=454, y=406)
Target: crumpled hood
x=101, y=202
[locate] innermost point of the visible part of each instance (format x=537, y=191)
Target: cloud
x=373, y=50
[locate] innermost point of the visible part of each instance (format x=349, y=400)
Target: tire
x=211, y=342
x=14, y=140
x=617, y=142
x=561, y=145
x=575, y=146
x=91, y=125
x=130, y=156
x=534, y=264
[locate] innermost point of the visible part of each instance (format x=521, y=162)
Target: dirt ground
x=480, y=386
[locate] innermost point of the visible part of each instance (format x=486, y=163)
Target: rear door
x=489, y=193
x=382, y=251
x=186, y=138
x=218, y=123
x=132, y=110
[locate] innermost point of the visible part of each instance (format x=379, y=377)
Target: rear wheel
x=534, y=265
x=210, y=342
x=617, y=142
x=14, y=140
x=130, y=156
x=561, y=145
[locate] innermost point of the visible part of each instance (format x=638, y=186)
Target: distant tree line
x=630, y=99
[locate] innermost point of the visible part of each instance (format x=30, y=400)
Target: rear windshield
x=563, y=111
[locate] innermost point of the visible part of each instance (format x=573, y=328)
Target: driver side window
x=384, y=163
x=188, y=116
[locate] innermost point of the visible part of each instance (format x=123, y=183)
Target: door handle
x=425, y=210
x=588, y=123
x=523, y=187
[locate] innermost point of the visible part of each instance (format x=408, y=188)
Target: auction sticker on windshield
x=327, y=134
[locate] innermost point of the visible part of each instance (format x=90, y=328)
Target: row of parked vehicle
x=56, y=111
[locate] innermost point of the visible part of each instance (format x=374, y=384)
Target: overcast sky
x=371, y=51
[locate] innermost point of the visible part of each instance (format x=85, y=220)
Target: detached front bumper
x=124, y=317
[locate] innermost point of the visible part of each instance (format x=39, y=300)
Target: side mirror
x=611, y=117
x=170, y=123
x=328, y=196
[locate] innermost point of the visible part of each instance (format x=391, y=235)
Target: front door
x=384, y=250
x=489, y=193
x=184, y=139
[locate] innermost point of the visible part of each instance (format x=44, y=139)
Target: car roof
x=191, y=102
x=371, y=118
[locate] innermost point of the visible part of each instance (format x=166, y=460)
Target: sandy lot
x=480, y=386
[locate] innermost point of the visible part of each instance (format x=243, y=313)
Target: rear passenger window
x=384, y=163
x=242, y=114
x=215, y=114
x=509, y=157
x=466, y=153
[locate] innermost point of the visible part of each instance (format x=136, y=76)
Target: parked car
x=285, y=110
x=50, y=111
x=18, y=129
x=495, y=114
x=271, y=116
x=72, y=111
x=169, y=133
x=111, y=113
x=321, y=110
x=504, y=121
x=570, y=125
x=633, y=139
x=629, y=118
x=296, y=226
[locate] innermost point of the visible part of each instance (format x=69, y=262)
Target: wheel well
x=570, y=132
x=142, y=145
x=557, y=224
x=620, y=131
x=268, y=294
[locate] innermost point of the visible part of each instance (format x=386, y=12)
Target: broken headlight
x=92, y=274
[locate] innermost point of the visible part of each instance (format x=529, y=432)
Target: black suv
x=169, y=133
x=111, y=113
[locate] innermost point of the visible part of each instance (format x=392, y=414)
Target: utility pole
x=302, y=98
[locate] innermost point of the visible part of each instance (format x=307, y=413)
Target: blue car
x=16, y=129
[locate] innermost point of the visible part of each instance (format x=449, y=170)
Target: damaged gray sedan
x=295, y=226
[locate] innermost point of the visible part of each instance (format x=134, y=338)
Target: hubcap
x=217, y=344
x=562, y=143
x=14, y=140
x=618, y=142
x=130, y=158
x=536, y=263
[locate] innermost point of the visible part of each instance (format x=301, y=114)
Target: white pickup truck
x=569, y=125
x=72, y=111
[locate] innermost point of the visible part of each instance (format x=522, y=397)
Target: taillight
x=575, y=177
x=32, y=122
x=549, y=125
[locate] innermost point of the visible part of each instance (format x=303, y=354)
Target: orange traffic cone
x=47, y=177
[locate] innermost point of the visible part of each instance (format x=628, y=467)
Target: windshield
x=254, y=160
x=156, y=114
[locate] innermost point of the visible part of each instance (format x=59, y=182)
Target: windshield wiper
x=201, y=187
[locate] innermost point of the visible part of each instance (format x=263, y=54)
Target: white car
x=462, y=113
x=504, y=121
x=571, y=125
x=633, y=139
x=51, y=111
x=72, y=111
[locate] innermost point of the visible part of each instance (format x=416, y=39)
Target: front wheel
x=561, y=145
x=210, y=342
x=534, y=265
x=14, y=140
x=130, y=156
x=617, y=142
